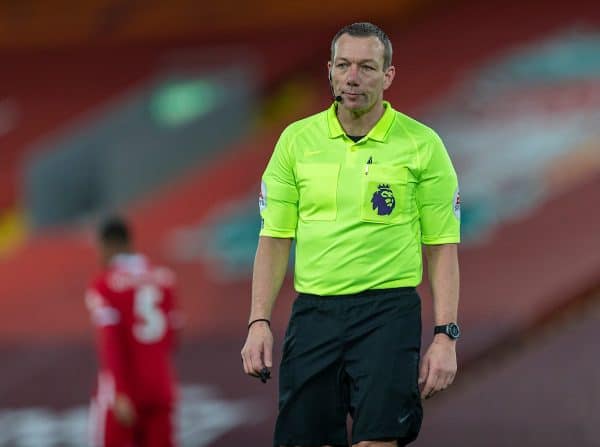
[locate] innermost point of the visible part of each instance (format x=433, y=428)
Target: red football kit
x=132, y=306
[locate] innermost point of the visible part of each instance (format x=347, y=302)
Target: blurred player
x=132, y=307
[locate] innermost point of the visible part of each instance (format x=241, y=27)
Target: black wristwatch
x=451, y=330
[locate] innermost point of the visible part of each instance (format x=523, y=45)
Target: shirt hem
x=353, y=291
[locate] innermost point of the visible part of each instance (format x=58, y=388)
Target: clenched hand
x=257, y=352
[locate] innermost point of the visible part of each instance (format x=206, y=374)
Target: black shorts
x=351, y=354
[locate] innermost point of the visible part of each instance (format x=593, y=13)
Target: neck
x=110, y=252
x=359, y=123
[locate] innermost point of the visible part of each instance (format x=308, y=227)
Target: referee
x=361, y=188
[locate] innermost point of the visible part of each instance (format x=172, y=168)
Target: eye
x=368, y=67
x=341, y=65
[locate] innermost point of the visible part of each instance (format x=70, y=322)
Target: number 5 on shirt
x=152, y=323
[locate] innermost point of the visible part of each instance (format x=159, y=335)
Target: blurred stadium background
x=168, y=111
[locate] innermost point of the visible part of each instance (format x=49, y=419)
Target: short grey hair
x=366, y=29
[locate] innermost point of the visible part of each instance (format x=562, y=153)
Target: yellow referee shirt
x=359, y=211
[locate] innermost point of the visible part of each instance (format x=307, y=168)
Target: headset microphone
x=338, y=98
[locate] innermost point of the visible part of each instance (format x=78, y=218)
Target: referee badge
x=383, y=200
x=262, y=196
x=456, y=203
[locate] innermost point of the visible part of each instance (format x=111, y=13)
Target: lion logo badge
x=383, y=200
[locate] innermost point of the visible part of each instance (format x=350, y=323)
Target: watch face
x=453, y=330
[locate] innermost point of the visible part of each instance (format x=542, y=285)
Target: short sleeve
x=278, y=200
x=438, y=197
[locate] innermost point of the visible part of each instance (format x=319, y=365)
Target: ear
x=388, y=77
x=329, y=65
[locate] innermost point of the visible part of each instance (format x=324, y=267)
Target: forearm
x=443, y=269
x=438, y=367
x=270, y=266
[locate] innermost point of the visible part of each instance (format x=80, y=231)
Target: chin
x=355, y=107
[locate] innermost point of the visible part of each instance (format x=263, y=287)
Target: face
x=357, y=72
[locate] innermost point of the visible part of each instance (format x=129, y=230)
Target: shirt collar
x=132, y=262
x=377, y=133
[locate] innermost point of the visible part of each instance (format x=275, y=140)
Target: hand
x=124, y=410
x=257, y=352
x=438, y=366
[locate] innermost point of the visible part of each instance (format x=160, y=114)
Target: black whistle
x=264, y=375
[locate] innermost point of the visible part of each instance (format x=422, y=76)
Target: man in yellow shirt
x=361, y=188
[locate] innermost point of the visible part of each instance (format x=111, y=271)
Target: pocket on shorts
x=289, y=339
x=317, y=186
x=386, y=195
x=291, y=331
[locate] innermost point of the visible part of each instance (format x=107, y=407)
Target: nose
x=352, y=75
